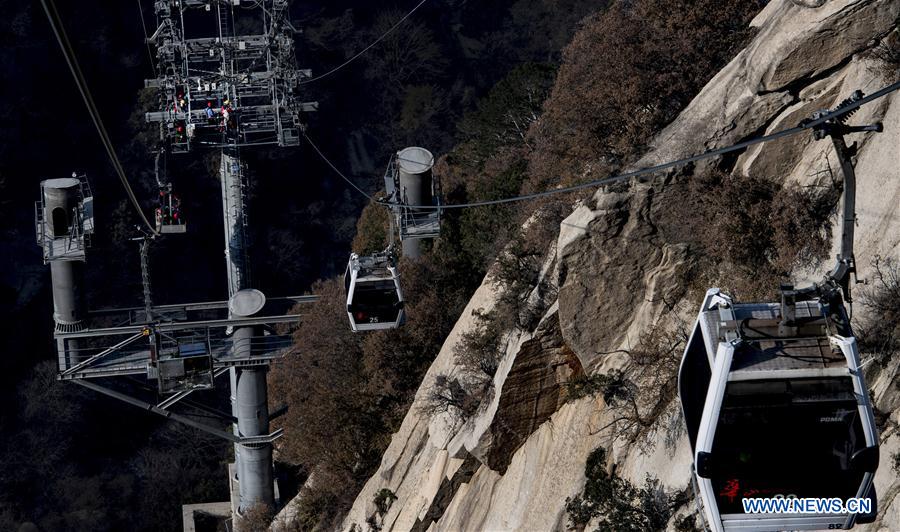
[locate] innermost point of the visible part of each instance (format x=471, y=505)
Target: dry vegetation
x=626, y=74
x=640, y=395
x=617, y=504
x=750, y=233
x=887, y=56
x=257, y=518
x=879, y=332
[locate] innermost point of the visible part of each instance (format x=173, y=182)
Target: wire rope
x=367, y=48
x=803, y=126
x=71, y=60
x=146, y=37
x=338, y=172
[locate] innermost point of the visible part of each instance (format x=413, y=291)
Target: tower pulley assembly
x=409, y=182
x=237, y=87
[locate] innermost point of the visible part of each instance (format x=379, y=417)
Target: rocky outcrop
x=444, y=496
x=514, y=464
x=616, y=273
x=769, y=75
x=817, y=41
x=532, y=392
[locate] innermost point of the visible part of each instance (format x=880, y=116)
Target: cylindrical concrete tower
x=255, y=475
x=67, y=278
x=249, y=389
x=60, y=232
x=414, y=166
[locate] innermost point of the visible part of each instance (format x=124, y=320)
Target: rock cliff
x=615, y=269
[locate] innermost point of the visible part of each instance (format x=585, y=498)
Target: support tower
x=227, y=79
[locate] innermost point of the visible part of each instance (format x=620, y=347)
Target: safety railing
x=413, y=223
x=133, y=356
x=70, y=246
x=419, y=223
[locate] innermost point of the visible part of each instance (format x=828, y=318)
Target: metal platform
x=419, y=224
x=182, y=311
x=63, y=248
x=255, y=73
x=126, y=347
x=134, y=359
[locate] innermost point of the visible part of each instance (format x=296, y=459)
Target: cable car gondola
x=776, y=405
x=168, y=216
x=374, y=299
x=168, y=213
x=773, y=395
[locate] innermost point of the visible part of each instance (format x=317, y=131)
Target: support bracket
x=252, y=441
x=836, y=128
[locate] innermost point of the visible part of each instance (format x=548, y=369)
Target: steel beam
x=102, y=354
x=156, y=410
x=180, y=326
x=181, y=395
x=149, y=407
x=205, y=305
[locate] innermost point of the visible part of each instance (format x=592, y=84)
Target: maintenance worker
x=176, y=209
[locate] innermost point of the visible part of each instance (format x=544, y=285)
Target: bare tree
x=450, y=395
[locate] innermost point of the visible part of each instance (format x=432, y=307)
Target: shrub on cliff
x=639, y=397
x=616, y=503
x=754, y=231
x=879, y=332
x=887, y=55
x=625, y=75
x=449, y=395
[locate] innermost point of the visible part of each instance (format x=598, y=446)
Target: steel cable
x=75, y=69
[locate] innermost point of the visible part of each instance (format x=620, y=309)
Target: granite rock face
x=532, y=392
x=616, y=273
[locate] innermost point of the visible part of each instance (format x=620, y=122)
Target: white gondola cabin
x=773, y=394
x=776, y=405
x=374, y=299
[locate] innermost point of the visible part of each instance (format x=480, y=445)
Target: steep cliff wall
x=617, y=269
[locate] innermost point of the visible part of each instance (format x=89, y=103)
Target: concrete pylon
x=249, y=388
x=60, y=232
x=414, y=168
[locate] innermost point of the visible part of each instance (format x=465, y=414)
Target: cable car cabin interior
x=816, y=425
x=374, y=299
x=775, y=406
